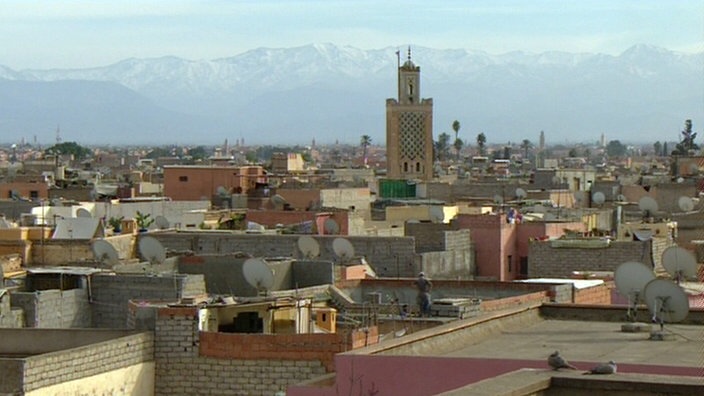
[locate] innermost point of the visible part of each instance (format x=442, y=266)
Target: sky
x=79, y=34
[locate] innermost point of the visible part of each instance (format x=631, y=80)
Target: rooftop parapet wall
x=54, y=308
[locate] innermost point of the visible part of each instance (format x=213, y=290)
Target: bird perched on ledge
x=557, y=362
x=604, y=368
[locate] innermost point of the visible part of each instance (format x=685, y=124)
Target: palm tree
x=365, y=141
x=458, y=147
x=481, y=141
x=456, y=128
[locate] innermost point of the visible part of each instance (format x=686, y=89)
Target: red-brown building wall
x=192, y=183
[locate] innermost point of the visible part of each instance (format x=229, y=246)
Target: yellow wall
x=134, y=380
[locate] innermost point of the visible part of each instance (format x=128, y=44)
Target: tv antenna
x=598, y=198
x=105, y=253
x=679, y=262
x=648, y=206
x=84, y=213
x=631, y=278
x=309, y=247
x=258, y=274
x=343, y=249
x=152, y=250
x=331, y=227
x=162, y=222
x=667, y=302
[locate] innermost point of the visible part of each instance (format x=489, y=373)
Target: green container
x=391, y=188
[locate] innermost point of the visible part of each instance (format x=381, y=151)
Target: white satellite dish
x=498, y=199
x=162, y=222
x=331, y=227
x=437, y=215
x=648, y=206
x=309, y=247
x=521, y=193
x=278, y=200
x=621, y=198
x=679, y=262
x=83, y=212
x=643, y=235
x=343, y=249
x=631, y=278
x=598, y=198
x=104, y=252
x=152, y=250
x=686, y=204
x=258, y=274
x=667, y=302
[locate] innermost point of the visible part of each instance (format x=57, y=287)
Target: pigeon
x=604, y=368
x=557, y=362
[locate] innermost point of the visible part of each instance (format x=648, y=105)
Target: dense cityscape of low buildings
x=290, y=270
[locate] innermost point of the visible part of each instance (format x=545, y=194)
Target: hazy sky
x=64, y=34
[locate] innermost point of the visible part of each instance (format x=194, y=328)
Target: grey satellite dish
x=437, y=215
x=631, y=278
x=667, y=302
x=621, y=198
x=104, y=252
x=686, y=204
x=679, y=262
x=83, y=212
x=308, y=246
x=222, y=192
x=598, y=198
x=4, y=224
x=643, y=235
x=693, y=168
x=278, y=200
x=152, y=250
x=648, y=206
x=498, y=199
x=680, y=179
x=258, y=274
x=331, y=227
x=343, y=249
x=521, y=193
x=162, y=222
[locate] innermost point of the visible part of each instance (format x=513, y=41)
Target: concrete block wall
x=55, y=252
x=456, y=264
x=430, y=237
x=382, y=253
x=111, y=294
x=54, y=308
x=9, y=317
x=183, y=369
x=545, y=261
x=72, y=364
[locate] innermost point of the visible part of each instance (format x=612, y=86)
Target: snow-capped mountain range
x=329, y=92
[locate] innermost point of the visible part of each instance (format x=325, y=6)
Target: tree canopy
x=616, y=149
x=72, y=148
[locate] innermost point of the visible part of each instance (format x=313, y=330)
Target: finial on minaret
x=409, y=52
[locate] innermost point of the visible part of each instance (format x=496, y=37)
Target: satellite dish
x=598, y=198
x=152, y=250
x=643, y=235
x=162, y=222
x=621, y=198
x=437, y=215
x=343, y=249
x=4, y=224
x=104, y=252
x=308, y=246
x=521, y=193
x=55, y=202
x=83, y=212
x=331, y=227
x=666, y=301
x=222, y=192
x=258, y=274
x=686, y=204
x=278, y=200
x=680, y=179
x=648, y=205
x=679, y=262
x=412, y=221
x=556, y=180
x=631, y=278
x=498, y=199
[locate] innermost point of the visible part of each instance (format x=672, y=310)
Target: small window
x=183, y=178
x=34, y=194
x=509, y=260
x=418, y=167
x=405, y=166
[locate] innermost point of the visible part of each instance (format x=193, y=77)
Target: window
x=183, y=178
x=509, y=259
x=405, y=166
x=34, y=194
x=418, y=167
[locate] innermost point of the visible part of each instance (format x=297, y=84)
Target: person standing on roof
x=424, y=287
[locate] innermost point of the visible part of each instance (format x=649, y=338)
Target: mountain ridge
x=280, y=92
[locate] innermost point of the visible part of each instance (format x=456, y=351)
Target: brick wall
x=509, y=302
x=595, y=295
x=545, y=261
x=9, y=317
x=111, y=294
x=54, y=368
x=189, y=363
x=54, y=308
x=59, y=252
